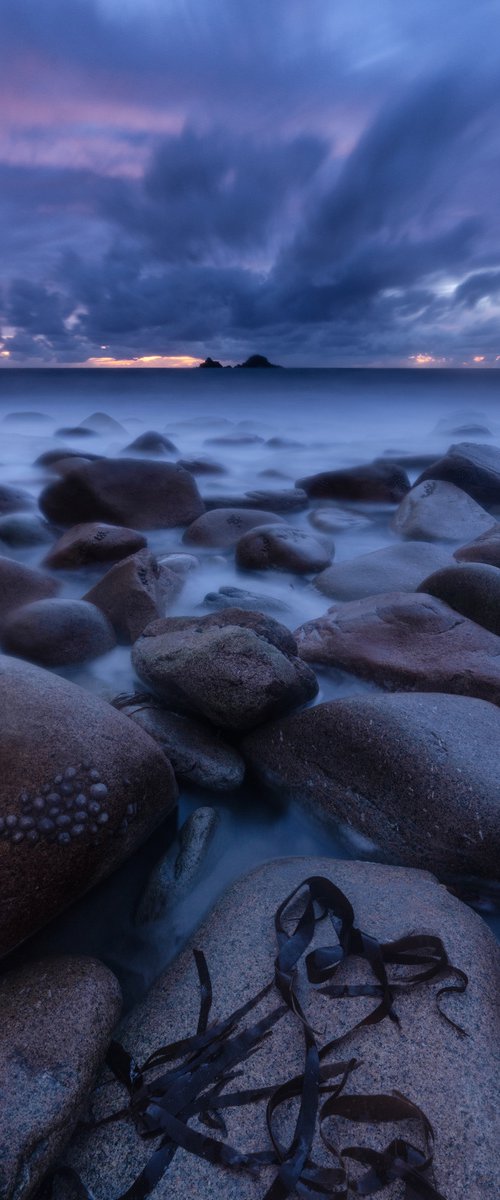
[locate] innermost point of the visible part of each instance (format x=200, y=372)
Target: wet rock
x=406, y=640
x=235, y=597
x=181, y=564
x=202, y=466
x=484, y=549
x=408, y=778
x=21, y=585
x=94, y=542
x=472, y=589
x=133, y=593
x=437, y=511
x=56, y=1021
x=224, y=526
x=281, y=548
x=100, y=422
x=24, y=529
x=471, y=466
x=380, y=481
x=143, y=495
x=285, y=500
x=335, y=519
x=82, y=787
x=173, y=877
x=152, y=443
x=197, y=753
x=394, y=568
x=235, y=668
x=50, y=458
x=453, y=1079
x=409, y=462
x=14, y=499
x=78, y=431
x=56, y=633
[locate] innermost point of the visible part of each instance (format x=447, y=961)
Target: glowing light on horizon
x=145, y=360
x=479, y=358
x=424, y=360
x=4, y=353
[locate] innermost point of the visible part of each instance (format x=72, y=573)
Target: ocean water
x=324, y=419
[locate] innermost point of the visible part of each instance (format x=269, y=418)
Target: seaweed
x=201, y=1066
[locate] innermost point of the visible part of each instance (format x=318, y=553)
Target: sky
x=313, y=180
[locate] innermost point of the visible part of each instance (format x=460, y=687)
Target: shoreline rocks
x=198, y=755
x=438, y=511
x=21, y=585
x=223, y=527
x=399, y=568
x=472, y=466
x=126, y=491
x=56, y=633
x=93, y=542
x=135, y=592
x=381, y=481
x=280, y=548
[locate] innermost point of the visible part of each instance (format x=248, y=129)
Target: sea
x=265, y=429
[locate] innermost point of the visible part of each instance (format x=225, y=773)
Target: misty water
x=324, y=419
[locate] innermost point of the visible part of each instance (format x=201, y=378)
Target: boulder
x=484, y=549
x=78, y=431
x=56, y=1021
x=201, y=466
x=180, y=564
x=152, y=443
x=82, y=787
x=21, y=585
x=380, y=481
x=198, y=755
x=285, y=500
x=394, y=568
x=101, y=422
x=472, y=589
x=235, y=597
x=336, y=520
x=235, y=668
x=177, y=872
x=472, y=466
x=410, y=778
x=406, y=640
x=135, y=592
x=281, y=548
x=24, y=529
x=50, y=457
x=437, y=511
x=223, y=527
x=453, y=1079
x=93, y=542
x=127, y=491
x=14, y=499
x=57, y=633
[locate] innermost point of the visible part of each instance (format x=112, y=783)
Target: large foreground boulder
x=135, y=592
x=451, y=1077
x=437, y=511
x=128, y=491
x=412, y=779
x=472, y=466
x=21, y=585
x=405, y=641
x=81, y=788
x=394, y=568
x=472, y=589
x=236, y=668
x=56, y=1021
x=94, y=542
x=380, y=482
x=56, y=633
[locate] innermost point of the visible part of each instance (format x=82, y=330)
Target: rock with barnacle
x=82, y=787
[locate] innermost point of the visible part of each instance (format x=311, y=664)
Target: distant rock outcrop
x=257, y=360
x=210, y=362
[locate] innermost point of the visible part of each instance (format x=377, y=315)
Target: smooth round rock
x=233, y=667
x=14, y=499
x=49, y=726
x=56, y=1021
x=336, y=520
x=223, y=527
x=472, y=466
x=101, y=422
x=93, y=542
x=24, y=529
x=56, y=633
x=135, y=592
x=151, y=443
x=21, y=585
x=380, y=481
x=286, y=500
x=127, y=491
x=438, y=511
x=484, y=549
x=202, y=466
x=172, y=878
x=406, y=640
x=472, y=589
x=281, y=548
x=198, y=755
x=453, y=1079
x=394, y=568
x=235, y=597
x=50, y=458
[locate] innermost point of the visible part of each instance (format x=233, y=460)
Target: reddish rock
x=93, y=542
x=135, y=592
x=21, y=585
x=57, y=633
x=472, y=589
x=484, y=549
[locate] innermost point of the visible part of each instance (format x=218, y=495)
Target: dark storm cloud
x=314, y=181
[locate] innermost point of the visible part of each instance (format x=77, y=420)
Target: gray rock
x=180, y=564
x=21, y=585
x=24, y=529
x=93, y=542
x=56, y=633
x=286, y=500
x=101, y=422
x=135, y=592
x=50, y=458
x=78, y=431
x=472, y=589
x=202, y=466
x=234, y=597
x=409, y=641
x=14, y=499
x=281, y=548
x=127, y=491
x=335, y=519
x=394, y=568
x=173, y=877
x=410, y=778
x=151, y=443
x=82, y=787
x=453, y=1079
x=437, y=511
x=224, y=526
x=484, y=549
x=471, y=466
x=56, y=1020
x=235, y=668
x=381, y=481
x=196, y=752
